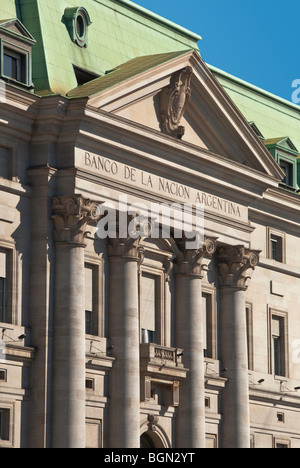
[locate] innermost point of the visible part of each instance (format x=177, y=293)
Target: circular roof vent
x=78, y=20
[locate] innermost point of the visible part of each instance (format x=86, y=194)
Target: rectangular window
x=282, y=445
x=278, y=346
x=4, y=424
x=249, y=319
x=288, y=169
x=207, y=325
x=3, y=287
x=90, y=299
x=4, y=163
x=14, y=65
x=149, y=305
x=276, y=248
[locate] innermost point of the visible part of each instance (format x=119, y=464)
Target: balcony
x=162, y=370
x=160, y=361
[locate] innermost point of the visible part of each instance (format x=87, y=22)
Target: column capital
x=71, y=215
x=234, y=262
x=189, y=261
x=127, y=242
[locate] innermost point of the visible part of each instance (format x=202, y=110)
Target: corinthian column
x=234, y=265
x=190, y=420
x=71, y=214
x=125, y=255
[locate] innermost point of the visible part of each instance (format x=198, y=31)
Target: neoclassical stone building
x=131, y=341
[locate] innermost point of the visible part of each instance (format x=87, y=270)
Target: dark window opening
x=80, y=26
x=278, y=344
x=84, y=76
x=89, y=384
x=4, y=424
x=14, y=65
x=276, y=248
x=288, y=169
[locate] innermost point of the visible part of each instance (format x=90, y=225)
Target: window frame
x=160, y=318
x=279, y=441
x=250, y=335
x=283, y=316
x=26, y=53
x=10, y=316
x=98, y=325
x=10, y=410
x=212, y=323
x=276, y=233
x=290, y=160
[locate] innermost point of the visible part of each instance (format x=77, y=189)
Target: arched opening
x=151, y=440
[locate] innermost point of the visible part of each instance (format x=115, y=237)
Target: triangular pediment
x=210, y=119
x=282, y=143
x=15, y=27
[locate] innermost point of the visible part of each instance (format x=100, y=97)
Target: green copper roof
x=273, y=115
x=8, y=9
x=122, y=73
x=120, y=31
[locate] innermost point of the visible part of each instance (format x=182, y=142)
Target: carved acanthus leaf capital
x=234, y=264
x=173, y=100
x=190, y=262
x=127, y=240
x=71, y=215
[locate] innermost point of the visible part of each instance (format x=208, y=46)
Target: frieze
x=153, y=183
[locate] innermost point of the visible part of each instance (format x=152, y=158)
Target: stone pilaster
x=71, y=216
x=190, y=419
x=234, y=265
x=125, y=256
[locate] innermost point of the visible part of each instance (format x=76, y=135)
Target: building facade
x=112, y=123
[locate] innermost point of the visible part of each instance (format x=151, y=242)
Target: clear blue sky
x=258, y=40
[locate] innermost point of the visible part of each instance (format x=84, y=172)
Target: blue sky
x=258, y=41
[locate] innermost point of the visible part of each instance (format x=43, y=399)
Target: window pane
x=3, y=273
x=88, y=322
x=4, y=424
x=205, y=307
x=89, y=298
x=289, y=173
x=2, y=300
x=278, y=345
x=4, y=163
x=277, y=355
x=14, y=65
x=148, y=307
x=276, y=248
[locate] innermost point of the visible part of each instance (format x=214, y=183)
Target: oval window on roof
x=78, y=20
x=80, y=27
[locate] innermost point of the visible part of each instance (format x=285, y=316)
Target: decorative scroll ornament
x=189, y=262
x=137, y=229
x=234, y=264
x=71, y=214
x=173, y=100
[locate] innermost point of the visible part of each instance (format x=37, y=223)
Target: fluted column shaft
x=71, y=215
x=234, y=264
x=190, y=418
x=124, y=333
